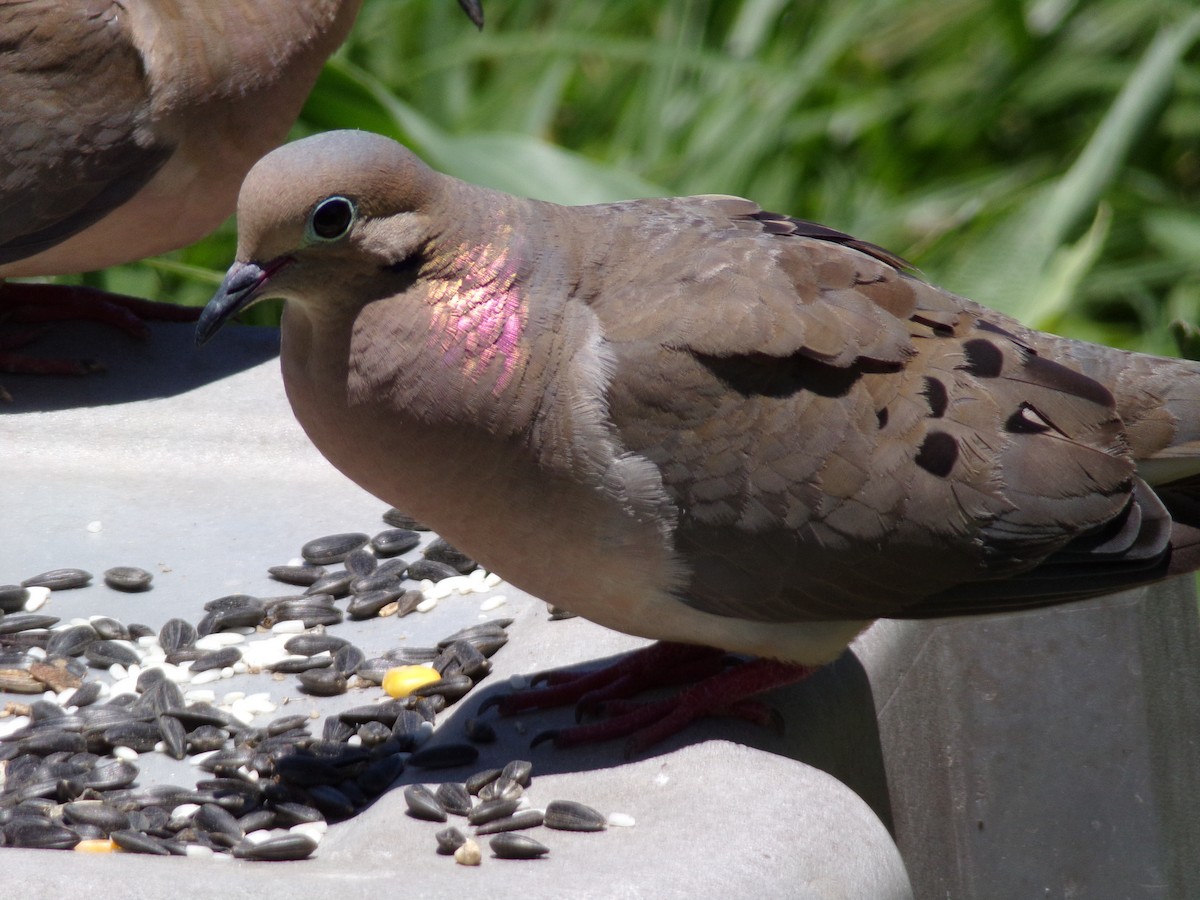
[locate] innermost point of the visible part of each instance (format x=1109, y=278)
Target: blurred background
x=1040, y=156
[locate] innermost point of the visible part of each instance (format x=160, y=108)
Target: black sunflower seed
x=128, y=578
x=395, y=541
x=422, y=804
x=59, y=579
x=517, y=846
x=332, y=548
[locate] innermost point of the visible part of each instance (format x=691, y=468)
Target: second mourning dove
x=696, y=421
x=127, y=128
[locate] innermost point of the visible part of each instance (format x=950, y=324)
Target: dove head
x=319, y=217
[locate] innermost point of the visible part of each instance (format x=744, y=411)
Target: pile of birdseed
x=88, y=701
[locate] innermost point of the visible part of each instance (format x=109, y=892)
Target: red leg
x=721, y=690
x=41, y=303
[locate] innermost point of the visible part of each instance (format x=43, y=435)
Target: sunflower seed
x=312, y=611
x=395, y=541
x=453, y=688
x=206, y=737
x=300, y=576
x=95, y=812
x=476, y=782
x=449, y=840
x=422, y=804
x=59, y=579
x=294, y=665
x=103, y=654
x=367, y=605
x=374, y=733
x=70, y=641
x=503, y=788
x=177, y=634
x=336, y=584
x=386, y=712
x=11, y=624
x=216, y=659
x=86, y=694
x=13, y=598
x=360, y=562
x=441, y=551
x=323, y=682
x=173, y=736
x=39, y=835
x=332, y=548
x=290, y=846
x=139, y=736
x=110, y=775
x=520, y=771
x=398, y=519
x=517, y=846
x=492, y=809
x=128, y=578
x=138, y=842
x=569, y=815
x=454, y=798
x=524, y=818
x=312, y=644
x=431, y=570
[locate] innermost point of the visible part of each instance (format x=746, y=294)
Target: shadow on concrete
x=167, y=364
x=831, y=725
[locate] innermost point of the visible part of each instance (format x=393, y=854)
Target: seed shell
x=517, y=846
x=422, y=804
x=59, y=579
x=323, y=682
x=569, y=815
x=290, y=846
x=449, y=840
x=332, y=548
x=518, y=821
x=128, y=578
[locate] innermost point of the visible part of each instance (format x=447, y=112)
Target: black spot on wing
x=982, y=358
x=938, y=453
x=936, y=395
x=760, y=374
x=882, y=416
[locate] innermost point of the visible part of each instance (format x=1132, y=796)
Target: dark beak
x=243, y=286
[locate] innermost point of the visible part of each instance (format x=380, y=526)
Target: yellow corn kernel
x=403, y=680
x=96, y=845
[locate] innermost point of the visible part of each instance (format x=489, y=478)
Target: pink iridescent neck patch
x=479, y=317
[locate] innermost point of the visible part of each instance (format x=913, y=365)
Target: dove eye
x=331, y=219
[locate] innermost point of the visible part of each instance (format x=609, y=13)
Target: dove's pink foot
x=38, y=304
x=720, y=686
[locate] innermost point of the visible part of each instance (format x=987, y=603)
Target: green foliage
x=1039, y=156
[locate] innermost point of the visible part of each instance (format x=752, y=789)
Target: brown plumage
x=692, y=420
x=127, y=128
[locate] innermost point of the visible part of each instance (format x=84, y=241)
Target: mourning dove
x=127, y=128
x=696, y=421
